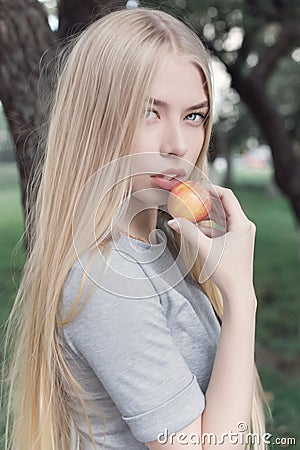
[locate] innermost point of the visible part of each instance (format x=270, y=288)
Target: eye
x=197, y=117
x=151, y=114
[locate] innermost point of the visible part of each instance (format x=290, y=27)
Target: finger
x=211, y=229
x=232, y=207
x=208, y=231
x=192, y=233
x=229, y=200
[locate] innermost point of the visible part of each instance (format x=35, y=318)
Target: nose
x=173, y=139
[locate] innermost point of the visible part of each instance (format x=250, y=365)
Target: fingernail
x=173, y=224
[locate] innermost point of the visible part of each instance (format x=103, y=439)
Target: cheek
x=144, y=141
x=195, y=150
x=194, y=153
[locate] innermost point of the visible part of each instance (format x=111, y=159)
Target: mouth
x=165, y=177
x=171, y=173
x=167, y=182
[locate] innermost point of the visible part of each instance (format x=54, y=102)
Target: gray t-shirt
x=143, y=346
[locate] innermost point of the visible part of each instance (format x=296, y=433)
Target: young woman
x=118, y=345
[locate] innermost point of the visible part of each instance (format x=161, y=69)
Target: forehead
x=179, y=82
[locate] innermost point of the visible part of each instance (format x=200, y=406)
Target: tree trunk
x=75, y=15
x=26, y=60
x=253, y=90
x=25, y=37
x=286, y=154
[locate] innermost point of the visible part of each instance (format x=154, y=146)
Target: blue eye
x=151, y=114
x=196, y=117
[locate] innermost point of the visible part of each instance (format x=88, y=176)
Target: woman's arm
x=230, y=390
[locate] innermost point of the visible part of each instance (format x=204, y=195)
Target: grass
x=276, y=278
x=276, y=275
x=276, y=271
x=11, y=229
x=11, y=255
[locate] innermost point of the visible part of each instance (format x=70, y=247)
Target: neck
x=138, y=222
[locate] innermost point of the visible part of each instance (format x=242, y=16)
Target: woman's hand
x=227, y=258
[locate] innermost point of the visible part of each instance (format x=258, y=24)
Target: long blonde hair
x=96, y=111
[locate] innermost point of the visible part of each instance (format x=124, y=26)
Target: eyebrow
x=163, y=104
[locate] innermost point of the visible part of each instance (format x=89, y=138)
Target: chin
x=152, y=197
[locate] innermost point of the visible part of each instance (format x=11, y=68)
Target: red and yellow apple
x=191, y=200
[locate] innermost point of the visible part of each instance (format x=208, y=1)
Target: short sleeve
x=129, y=346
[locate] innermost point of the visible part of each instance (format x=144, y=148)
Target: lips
x=171, y=173
x=167, y=182
x=163, y=183
x=166, y=177
x=169, y=178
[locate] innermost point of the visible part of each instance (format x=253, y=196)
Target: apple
x=191, y=200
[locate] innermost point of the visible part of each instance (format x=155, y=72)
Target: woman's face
x=173, y=129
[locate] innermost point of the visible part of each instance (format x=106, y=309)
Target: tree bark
x=24, y=38
x=253, y=90
x=75, y=15
x=27, y=58
x=286, y=154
